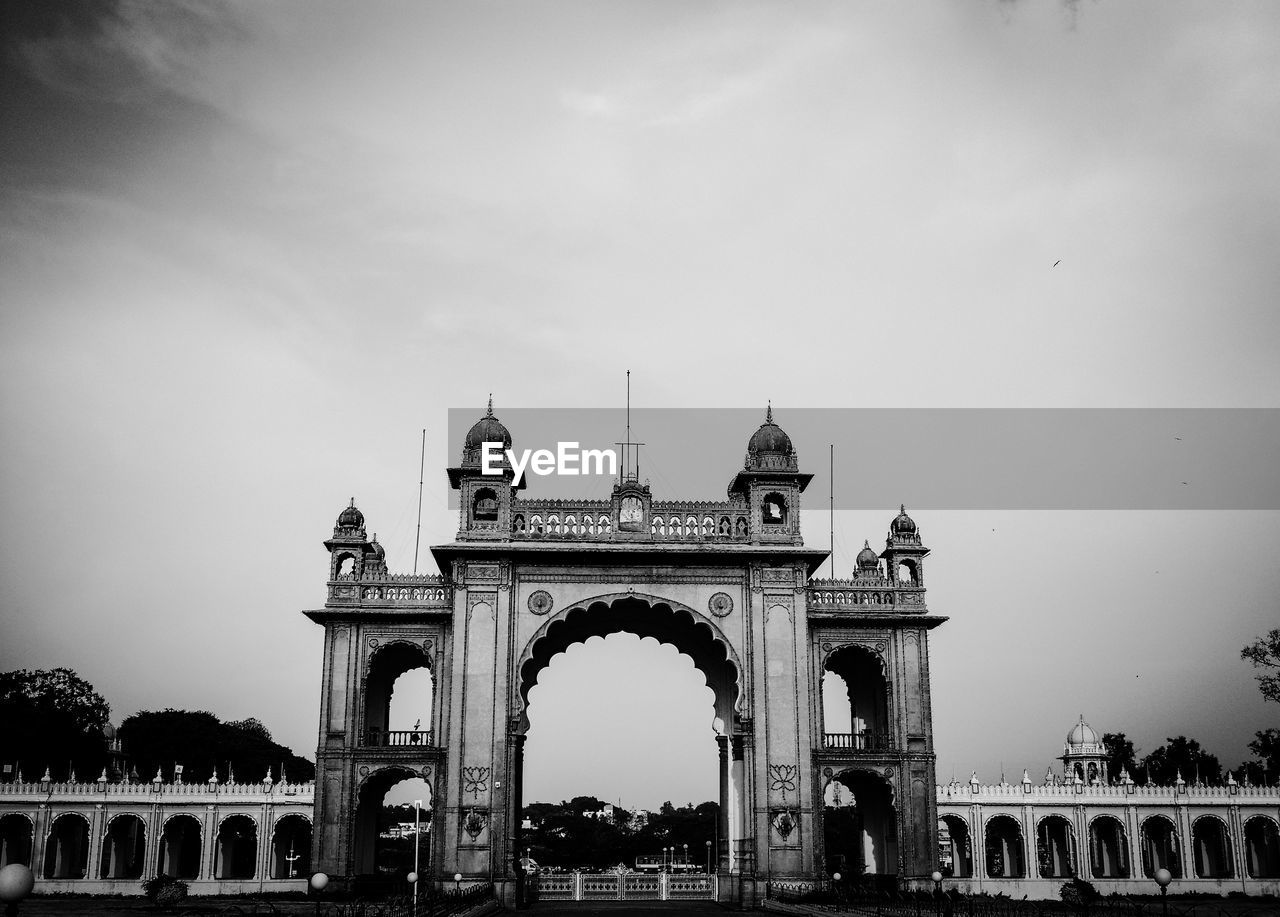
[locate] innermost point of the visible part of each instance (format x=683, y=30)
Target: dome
x=488, y=429
x=1083, y=734
x=902, y=523
x=378, y=550
x=351, y=518
x=770, y=438
x=867, y=558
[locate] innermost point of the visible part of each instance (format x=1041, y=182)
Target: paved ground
x=623, y=908
x=138, y=907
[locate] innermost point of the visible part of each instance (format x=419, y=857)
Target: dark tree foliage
x=201, y=743
x=1264, y=653
x=52, y=718
x=1120, y=755
x=1265, y=769
x=1181, y=756
x=568, y=836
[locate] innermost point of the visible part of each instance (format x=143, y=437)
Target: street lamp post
x=417, y=846
x=686, y=857
x=937, y=891
x=1163, y=877
x=16, y=882
x=708, y=857
x=318, y=883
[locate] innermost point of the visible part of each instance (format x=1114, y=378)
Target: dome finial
x=768, y=411
x=489, y=413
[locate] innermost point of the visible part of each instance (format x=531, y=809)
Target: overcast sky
x=249, y=251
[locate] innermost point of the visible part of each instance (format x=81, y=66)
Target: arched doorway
x=67, y=850
x=1160, y=848
x=1004, y=847
x=386, y=831
x=1108, y=848
x=123, y=848
x=16, y=835
x=1211, y=843
x=956, y=845
x=860, y=833
x=1262, y=848
x=291, y=847
x=717, y=833
x=237, y=848
x=1055, y=848
x=180, y=846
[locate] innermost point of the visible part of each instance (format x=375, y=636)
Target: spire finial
x=489, y=413
x=866, y=545
x=902, y=508
x=353, y=502
x=768, y=412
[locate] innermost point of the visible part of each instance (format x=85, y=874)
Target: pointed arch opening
x=1108, y=848
x=1160, y=848
x=1262, y=848
x=1055, y=848
x=1211, y=844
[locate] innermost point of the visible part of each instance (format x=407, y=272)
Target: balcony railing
x=858, y=741
x=398, y=738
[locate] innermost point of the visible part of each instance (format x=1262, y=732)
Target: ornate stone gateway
x=726, y=582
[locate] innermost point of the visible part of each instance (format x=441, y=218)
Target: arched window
x=553, y=524
x=124, y=848
x=291, y=847
x=605, y=525
x=1262, y=848
x=708, y=527
x=66, y=854
x=906, y=572
x=180, y=848
x=399, y=700
x=726, y=527
x=855, y=701
x=535, y=524
x=346, y=565
x=1211, y=845
x=237, y=853
x=1005, y=858
x=1108, y=849
x=773, y=509
x=484, y=508
x=740, y=527
x=660, y=526
x=518, y=522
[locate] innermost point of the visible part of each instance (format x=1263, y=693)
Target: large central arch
x=664, y=620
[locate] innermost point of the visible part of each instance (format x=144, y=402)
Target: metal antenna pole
x=832, y=504
x=421, y=465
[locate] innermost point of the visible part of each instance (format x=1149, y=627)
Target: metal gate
x=625, y=886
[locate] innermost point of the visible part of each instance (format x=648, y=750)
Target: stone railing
x=406, y=589
x=42, y=790
x=1117, y=793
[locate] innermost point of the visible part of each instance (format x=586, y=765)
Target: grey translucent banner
x=1133, y=459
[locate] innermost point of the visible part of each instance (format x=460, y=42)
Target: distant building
x=1027, y=839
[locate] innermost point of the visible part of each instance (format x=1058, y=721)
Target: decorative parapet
x=592, y=520
x=410, y=590
x=1115, y=794
x=840, y=594
x=96, y=791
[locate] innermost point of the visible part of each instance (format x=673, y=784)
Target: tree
x=1264, y=653
x=201, y=743
x=1265, y=770
x=52, y=718
x=1120, y=754
x=1181, y=756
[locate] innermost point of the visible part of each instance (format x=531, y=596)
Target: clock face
x=631, y=512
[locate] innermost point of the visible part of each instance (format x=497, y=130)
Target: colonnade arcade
x=728, y=583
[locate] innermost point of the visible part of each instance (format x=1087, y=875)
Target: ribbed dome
x=902, y=523
x=488, y=429
x=1083, y=734
x=770, y=438
x=351, y=518
x=378, y=550
x=867, y=558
